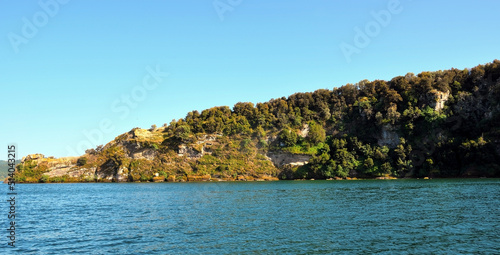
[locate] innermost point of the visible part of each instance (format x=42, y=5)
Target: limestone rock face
x=436, y=99
x=439, y=100
x=280, y=159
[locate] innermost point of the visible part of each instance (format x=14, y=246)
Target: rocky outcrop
x=440, y=100
x=190, y=152
x=57, y=167
x=121, y=174
x=203, y=145
x=134, y=156
x=388, y=136
x=435, y=99
x=137, y=151
x=85, y=173
x=37, y=156
x=304, y=131
x=62, y=168
x=281, y=159
x=107, y=171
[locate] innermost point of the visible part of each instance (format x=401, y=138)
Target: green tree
x=182, y=132
x=316, y=133
x=288, y=137
x=368, y=164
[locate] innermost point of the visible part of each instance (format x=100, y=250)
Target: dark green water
x=459, y=216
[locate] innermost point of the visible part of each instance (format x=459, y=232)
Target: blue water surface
x=455, y=216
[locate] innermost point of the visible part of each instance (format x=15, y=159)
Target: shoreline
x=259, y=180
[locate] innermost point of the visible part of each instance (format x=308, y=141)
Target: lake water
x=286, y=217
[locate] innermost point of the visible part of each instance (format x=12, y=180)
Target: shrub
x=44, y=179
x=81, y=161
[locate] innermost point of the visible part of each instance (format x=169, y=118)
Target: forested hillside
x=4, y=168
x=436, y=124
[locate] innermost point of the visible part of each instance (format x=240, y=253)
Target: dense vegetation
x=437, y=124
x=345, y=125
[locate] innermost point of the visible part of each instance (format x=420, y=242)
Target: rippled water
x=286, y=217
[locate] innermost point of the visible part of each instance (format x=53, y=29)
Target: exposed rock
x=189, y=152
x=56, y=167
x=36, y=156
x=386, y=178
x=60, y=170
x=280, y=159
x=388, y=137
x=207, y=138
x=131, y=146
x=440, y=100
x=199, y=148
x=298, y=163
x=304, y=131
x=269, y=178
x=198, y=178
x=82, y=172
x=136, y=151
x=435, y=99
x=159, y=179
x=144, y=154
x=242, y=178
x=121, y=174
x=107, y=171
x=271, y=139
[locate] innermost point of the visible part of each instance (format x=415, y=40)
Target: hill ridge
x=434, y=124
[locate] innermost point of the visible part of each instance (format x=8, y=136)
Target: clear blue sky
x=66, y=68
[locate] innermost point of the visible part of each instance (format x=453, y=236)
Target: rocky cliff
x=137, y=156
x=281, y=159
